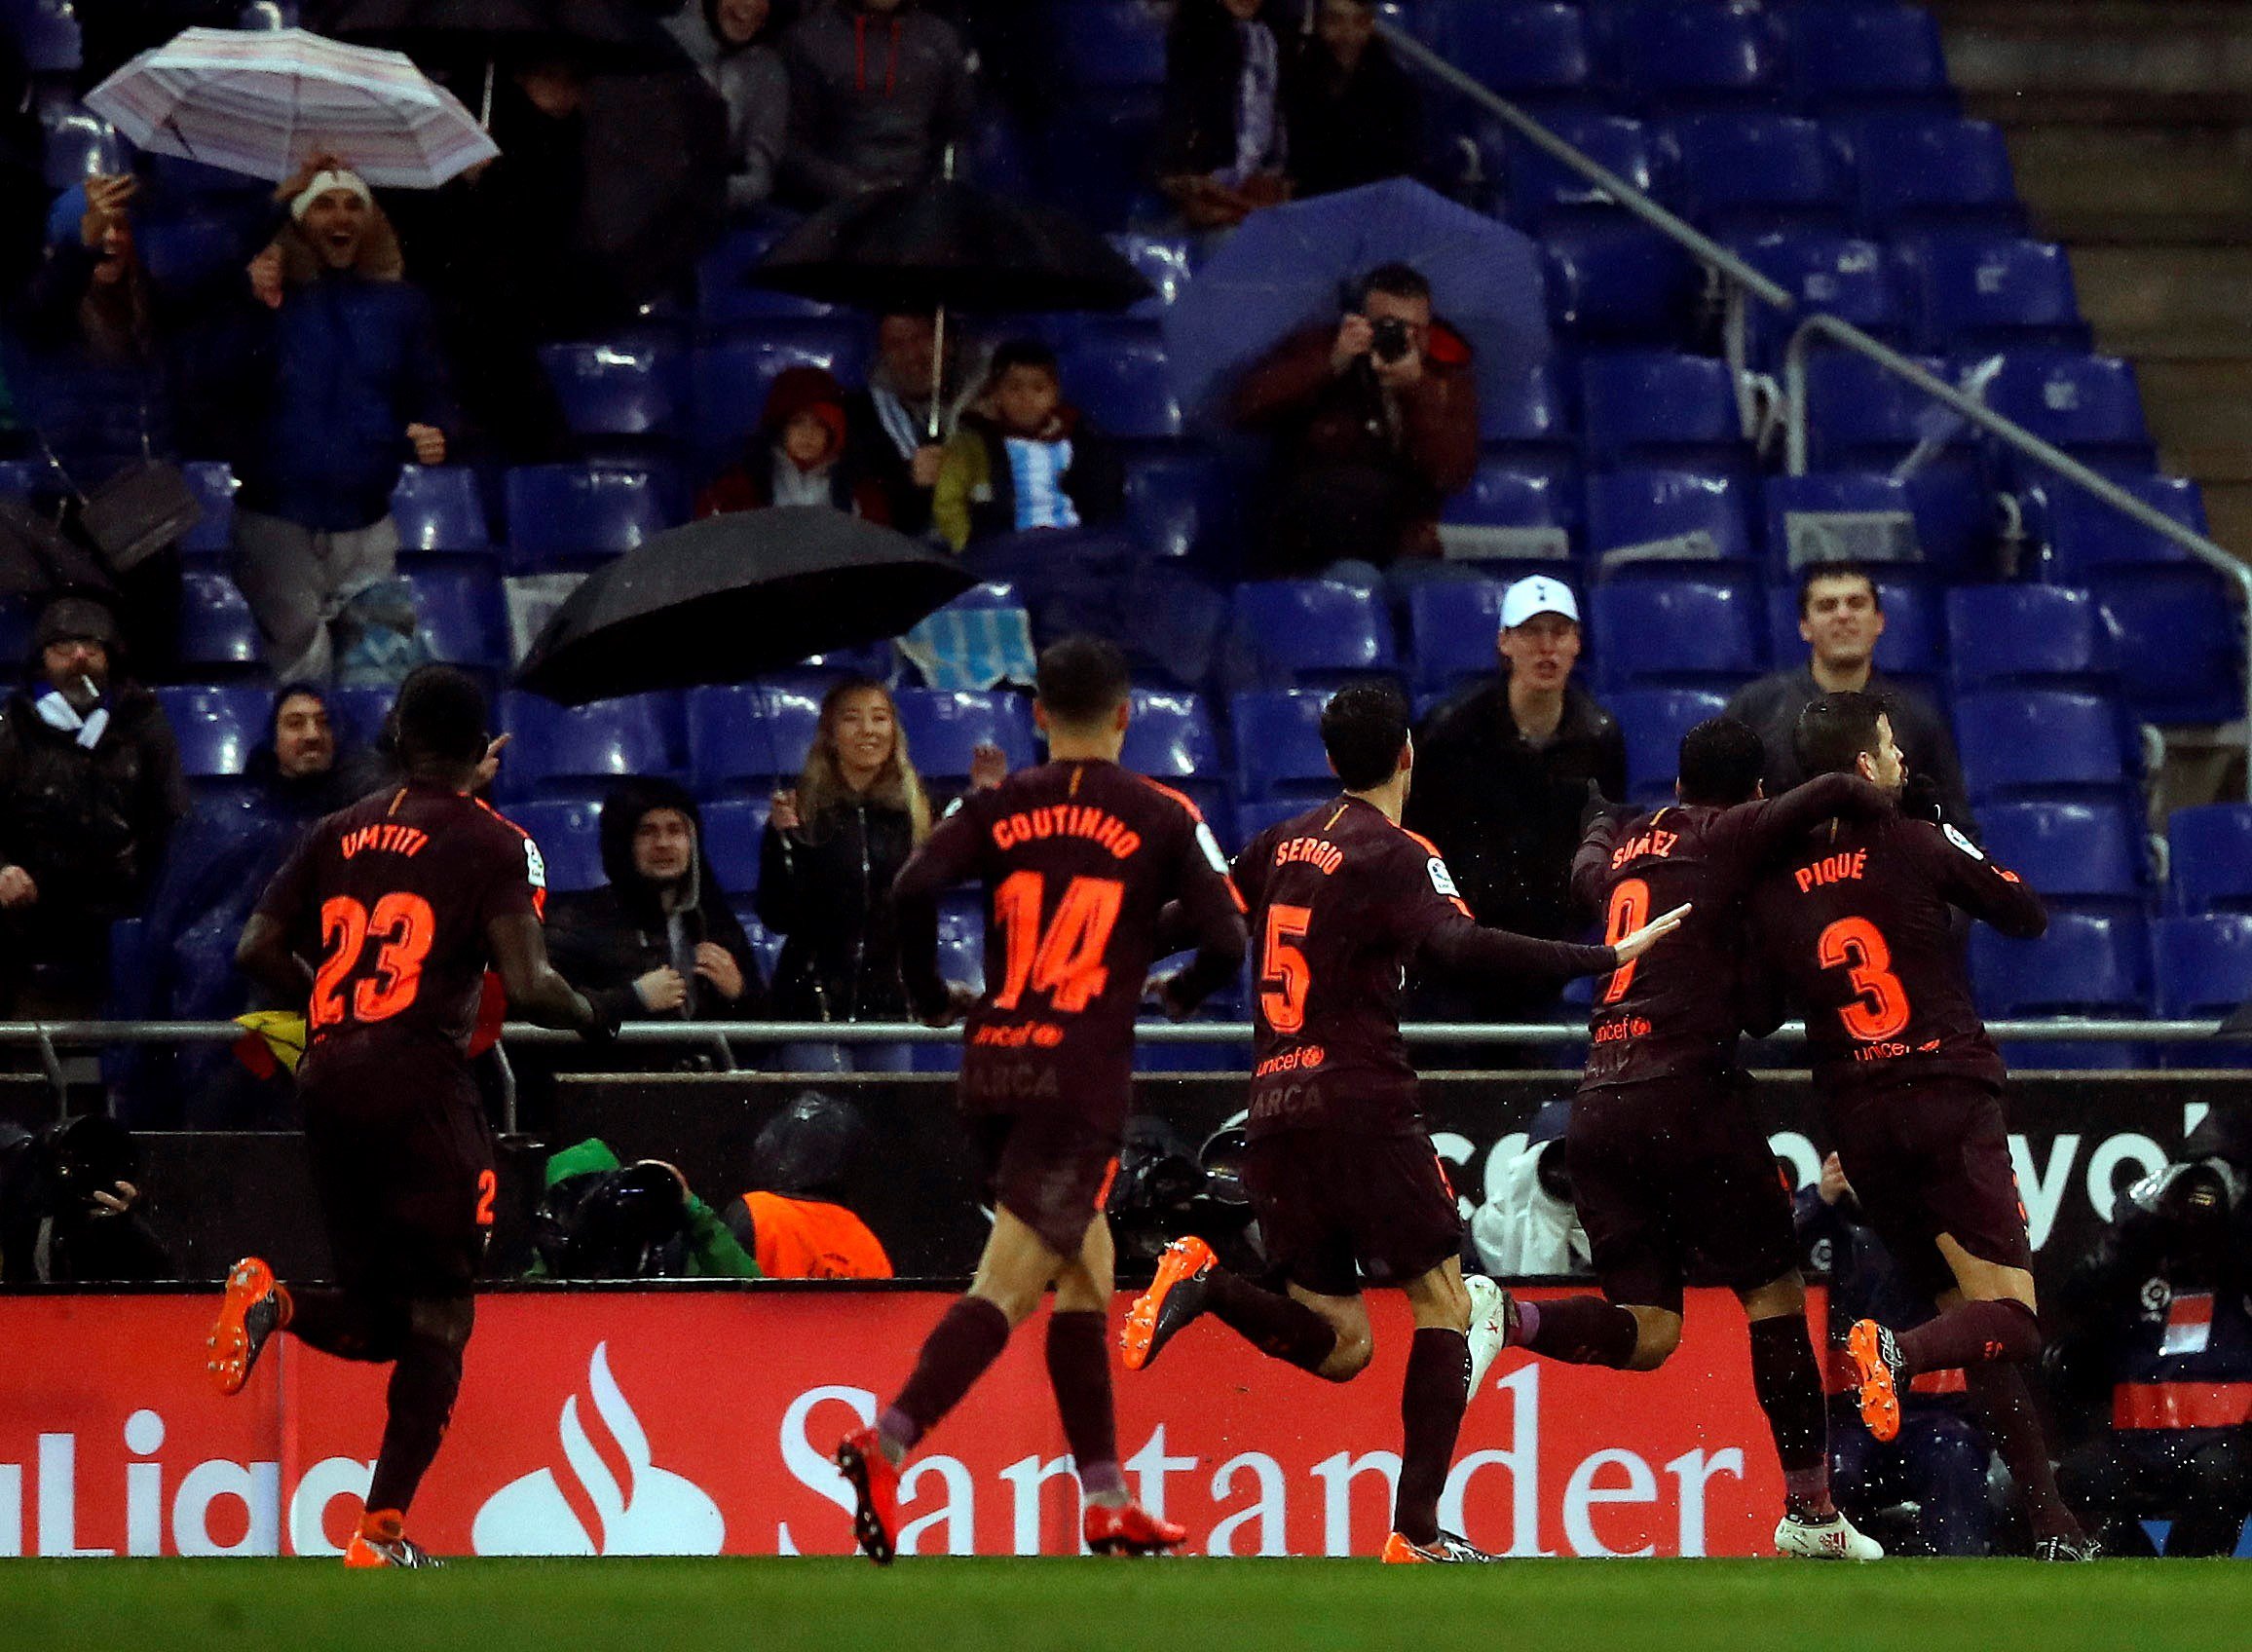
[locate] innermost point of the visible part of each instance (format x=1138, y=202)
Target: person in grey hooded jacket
x=877, y=89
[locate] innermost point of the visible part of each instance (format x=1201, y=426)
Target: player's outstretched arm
x=263, y=954
x=536, y=992
x=1636, y=943
x=1981, y=888
x=1773, y=825
x=943, y=860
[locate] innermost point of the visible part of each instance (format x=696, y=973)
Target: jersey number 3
x=405, y=927
x=1066, y=960
x=1857, y=947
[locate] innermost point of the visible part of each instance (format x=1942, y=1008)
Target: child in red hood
x=798, y=455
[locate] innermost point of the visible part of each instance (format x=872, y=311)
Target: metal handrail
x=1749, y=280
x=81, y=1033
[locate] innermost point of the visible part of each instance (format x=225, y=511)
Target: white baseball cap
x=1538, y=594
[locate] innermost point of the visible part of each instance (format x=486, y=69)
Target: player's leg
x=419, y=1402
x=1432, y=1399
x=1787, y=1380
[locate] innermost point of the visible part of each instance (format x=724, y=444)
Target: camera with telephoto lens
x=1390, y=339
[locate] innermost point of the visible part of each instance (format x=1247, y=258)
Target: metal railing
x=1743, y=280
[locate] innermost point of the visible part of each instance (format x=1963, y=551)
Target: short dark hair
x=1363, y=725
x=441, y=714
x=1400, y=281
x=1814, y=571
x=1024, y=353
x=1836, y=730
x=1081, y=678
x=1721, y=762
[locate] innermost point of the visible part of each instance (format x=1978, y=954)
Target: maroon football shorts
x=402, y=1159
x=1051, y=1172
x=1928, y=1157
x=1338, y=1208
x=1674, y=1177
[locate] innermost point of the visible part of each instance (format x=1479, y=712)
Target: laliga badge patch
x=1443, y=879
x=1962, y=843
x=535, y=866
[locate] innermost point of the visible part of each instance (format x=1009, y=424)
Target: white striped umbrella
x=265, y=103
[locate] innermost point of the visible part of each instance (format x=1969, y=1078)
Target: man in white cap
x=345, y=384
x=1501, y=777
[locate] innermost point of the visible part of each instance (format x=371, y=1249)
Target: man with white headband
x=345, y=385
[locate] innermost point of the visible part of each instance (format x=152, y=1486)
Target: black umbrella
x=723, y=599
x=948, y=245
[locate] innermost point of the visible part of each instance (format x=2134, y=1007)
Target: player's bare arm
x=536, y=992
x=263, y=954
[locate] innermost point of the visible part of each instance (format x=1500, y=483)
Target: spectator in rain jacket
x=879, y=89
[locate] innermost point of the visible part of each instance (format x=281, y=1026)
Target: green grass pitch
x=943, y=1605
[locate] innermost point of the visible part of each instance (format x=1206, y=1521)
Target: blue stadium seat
x=1171, y=739
x=2179, y=638
x=439, y=512
x=1708, y=515
x=47, y=35
x=1675, y=632
x=1278, y=746
x=728, y=381
x=749, y=735
x=1527, y=416
x=1653, y=721
x=464, y=618
x=1180, y=503
x=565, y=514
x=2090, y=405
x=570, y=751
x=1684, y=55
x=570, y=840
x=1254, y=816
x=944, y=726
x=2087, y=964
x=1860, y=417
x=1913, y=646
x=618, y=387
x=2089, y=855
x=1833, y=275
x=1160, y=260
x=1120, y=376
x=357, y=714
x=734, y=829
x=217, y=727
x=1112, y=43
x=1952, y=511
x=1532, y=51
x=2039, y=742
x=1454, y=624
x=1661, y=408
x=2204, y=971
x=1507, y=493
x=1921, y=172
x=1859, y=55
x=217, y=634
x=1621, y=282
x=1543, y=194
x=78, y=143
x=2210, y=858
x=1749, y=174
x=1101, y=142
x=2046, y=635
x=724, y=299
x=1973, y=291
x=212, y=483
x=1308, y=631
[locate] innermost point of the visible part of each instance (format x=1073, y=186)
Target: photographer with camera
x=70, y=1206
x=1375, y=425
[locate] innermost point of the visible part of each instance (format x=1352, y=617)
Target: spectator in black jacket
x=1352, y=115
x=661, y=925
x=1221, y=141
x=1841, y=616
x=877, y=89
x=890, y=423
x=1501, y=777
x=90, y=790
x=833, y=846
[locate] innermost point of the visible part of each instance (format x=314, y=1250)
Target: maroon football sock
x=420, y=1398
x=1789, y=1385
x=1271, y=1322
x=1079, y=1371
x=348, y=1326
x=955, y=1355
x=1585, y=1331
x=1431, y=1403
x=1972, y=1334
x=2005, y=1402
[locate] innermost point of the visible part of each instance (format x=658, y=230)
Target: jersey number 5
x=1629, y=911
x=1284, y=975
x=1857, y=947
x=406, y=927
x=1066, y=960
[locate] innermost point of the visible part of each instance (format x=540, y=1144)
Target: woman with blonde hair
x=833, y=846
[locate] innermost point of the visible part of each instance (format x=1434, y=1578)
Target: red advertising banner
x=702, y=1423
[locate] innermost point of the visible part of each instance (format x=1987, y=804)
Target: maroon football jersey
x=1854, y=919
x=1079, y=860
x=1343, y=901
x=390, y=898
x=1677, y=1012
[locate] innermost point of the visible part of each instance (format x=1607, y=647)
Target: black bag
x=37, y=558
x=144, y=509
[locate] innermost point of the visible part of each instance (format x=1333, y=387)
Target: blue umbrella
x=1289, y=267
